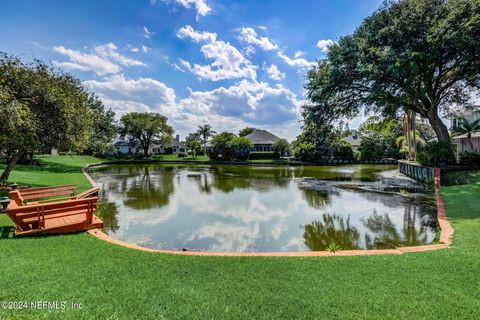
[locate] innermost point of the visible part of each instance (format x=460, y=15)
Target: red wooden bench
x=53, y=210
x=55, y=217
x=47, y=194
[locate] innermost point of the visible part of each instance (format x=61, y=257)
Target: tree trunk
x=145, y=149
x=469, y=137
x=441, y=131
x=11, y=162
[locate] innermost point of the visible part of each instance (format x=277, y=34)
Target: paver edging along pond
x=446, y=232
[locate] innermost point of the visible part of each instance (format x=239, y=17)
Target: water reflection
x=107, y=211
x=383, y=232
x=320, y=234
x=235, y=208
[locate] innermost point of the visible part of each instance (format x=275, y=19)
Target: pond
x=229, y=208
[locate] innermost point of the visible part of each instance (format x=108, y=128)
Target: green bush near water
x=470, y=159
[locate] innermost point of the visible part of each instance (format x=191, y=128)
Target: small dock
x=52, y=210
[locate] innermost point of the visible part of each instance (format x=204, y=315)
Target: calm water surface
x=245, y=208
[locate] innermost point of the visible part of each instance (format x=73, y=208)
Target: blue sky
x=228, y=63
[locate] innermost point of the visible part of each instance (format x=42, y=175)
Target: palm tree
x=466, y=127
x=205, y=132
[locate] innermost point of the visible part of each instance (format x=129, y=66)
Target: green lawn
x=54, y=171
x=113, y=282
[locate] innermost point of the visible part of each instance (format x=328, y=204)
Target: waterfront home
x=262, y=140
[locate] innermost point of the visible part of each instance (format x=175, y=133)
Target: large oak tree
x=418, y=55
x=43, y=108
x=144, y=129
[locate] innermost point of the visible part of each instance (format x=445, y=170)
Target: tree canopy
x=44, y=108
x=281, y=147
x=192, y=141
x=245, y=131
x=221, y=145
x=418, y=55
x=241, y=146
x=205, y=131
x=144, y=128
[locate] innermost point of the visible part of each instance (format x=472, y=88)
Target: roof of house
x=355, y=141
x=262, y=137
x=464, y=136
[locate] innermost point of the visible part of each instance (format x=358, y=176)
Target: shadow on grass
x=6, y=232
x=47, y=167
x=465, y=199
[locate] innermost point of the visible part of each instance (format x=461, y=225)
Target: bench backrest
x=35, y=194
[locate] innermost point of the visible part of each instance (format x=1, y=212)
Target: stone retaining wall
x=416, y=171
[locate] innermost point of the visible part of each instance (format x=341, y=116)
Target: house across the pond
x=262, y=140
x=354, y=139
x=461, y=142
x=126, y=147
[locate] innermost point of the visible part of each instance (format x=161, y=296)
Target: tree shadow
x=48, y=167
x=7, y=232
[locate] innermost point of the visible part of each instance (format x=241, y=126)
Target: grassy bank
x=112, y=282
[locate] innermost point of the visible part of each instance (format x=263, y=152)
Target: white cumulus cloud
x=295, y=62
x=189, y=32
x=274, y=73
x=324, y=45
x=228, y=61
x=255, y=103
x=103, y=60
x=126, y=95
x=85, y=62
x=109, y=51
x=200, y=6
x=249, y=35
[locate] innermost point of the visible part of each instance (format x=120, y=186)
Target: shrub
x=470, y=159
x=281, y=147
x=435, y=154
x=305, y=151
x=241, y=147
x=372, y=147
x=221, y=147
x=181, y=155
x=263, y=155
x=343, y=150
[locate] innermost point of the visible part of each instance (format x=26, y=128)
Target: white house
x=126, y=147
x=176, y=145
x=461, y=143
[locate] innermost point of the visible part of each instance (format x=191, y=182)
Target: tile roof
x=262, y=137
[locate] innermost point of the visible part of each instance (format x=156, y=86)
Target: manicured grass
x=118, y=283
x=53, y=171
